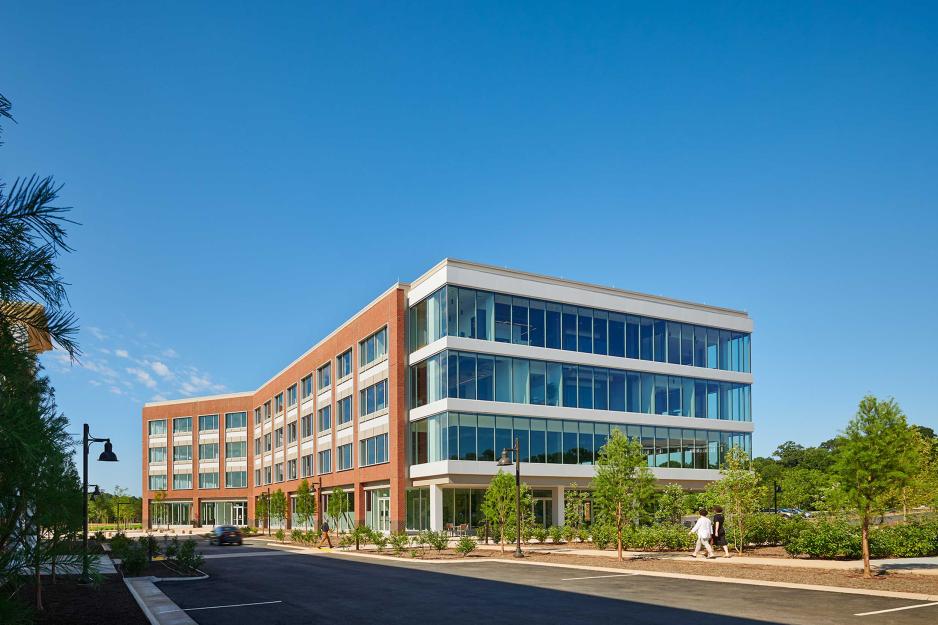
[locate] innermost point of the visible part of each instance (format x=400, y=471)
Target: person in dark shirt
x=719, y=530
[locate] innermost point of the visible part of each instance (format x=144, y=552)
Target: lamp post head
x=108, y=454
x=95, y=493
x=504, y=461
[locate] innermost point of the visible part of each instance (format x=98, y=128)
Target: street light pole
x=107, y=455
x=503, y=462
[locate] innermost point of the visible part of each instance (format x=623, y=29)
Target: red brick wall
x=390, y=311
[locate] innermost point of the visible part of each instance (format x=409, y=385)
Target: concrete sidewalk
x=924, y=566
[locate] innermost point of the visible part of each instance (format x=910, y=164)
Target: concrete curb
x=157, y=607
x=702, y=578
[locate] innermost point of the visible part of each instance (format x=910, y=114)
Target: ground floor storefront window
x=344, y=519
x=170, y=513
x=418, y=509
x=223, y=513
x=378, y=509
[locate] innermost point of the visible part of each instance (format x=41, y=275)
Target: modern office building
x=406, y=407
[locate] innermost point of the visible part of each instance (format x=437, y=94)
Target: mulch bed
x=891, y=581
x=68, y=603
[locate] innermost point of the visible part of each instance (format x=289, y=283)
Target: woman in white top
x=703, y=528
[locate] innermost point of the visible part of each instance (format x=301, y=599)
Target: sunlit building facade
x=407, y=406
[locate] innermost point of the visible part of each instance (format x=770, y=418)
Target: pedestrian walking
x=719, y=530
x=703, y=528
x=324, y=528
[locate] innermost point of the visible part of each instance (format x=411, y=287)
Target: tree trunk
x=865, y=539
x=619, y=529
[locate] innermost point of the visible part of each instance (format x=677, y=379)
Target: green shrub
x=910, y=540
x=172, y=547
x=826, y=539
x=134, y=560
x=465, y=546
x=119, y=545
x=437, y=540
x=583, y=534
x=602, y=535
x=379, y=540
x=556, y=534
x=99, y=536
x=540, y=534
x=347, y=540
x=187, y=556
x=569, y=533
x=655, y=537
x=280, y=535
x=296, y=536
x=399, y=542
x=150, y=546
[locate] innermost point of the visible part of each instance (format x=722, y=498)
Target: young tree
x=575, y=501
x=262, y=510
x=739, y=491
x=875, y=460
x=338, y=507
x=305, y=503
x=499, y=506
x=622, y=481
x=278, y=506
x=671, y=504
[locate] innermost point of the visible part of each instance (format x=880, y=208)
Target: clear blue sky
x=249, y=175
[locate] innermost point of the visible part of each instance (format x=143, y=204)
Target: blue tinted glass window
x=585, y=326
x=600, y=332
x=674, y=342
x=486, y=378
x=519, y=321
x=724, y=349
x=521, y=433
x=569, y=386
x=485, y=315
x=585, y=386
x=586, y=443
x=661, y=394
x=687, y=344
x=632, y=340
x=688, y=443
x=503, y=435
x=452, y=374
x=538, y=382
x=503, y=318
x=648, y=393
x=673, y=446
x=674, y=396
x=713, y=349
x=616, y=334
x=554, y=441
x=538, y=440
x=687, y=401
x=633, y=398
x=569, y=328
x=486, y=432
x=452, y=437
x=570, y=442
x=661, y=346
x=700, y=346
x=552, y=325
x=502, y=378
x=617, y=390
x=600, y=389
x=554, y=377
x=467, y=437
x=700, y=399
x=536, y=323
x=467, y=376
x=466, y=323
x=600, y=436
x=519, y=377
x=713, y=402
x=647, y=351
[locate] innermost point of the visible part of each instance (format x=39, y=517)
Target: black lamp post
x=776, y=490
x=107, y=455
x=505, y=461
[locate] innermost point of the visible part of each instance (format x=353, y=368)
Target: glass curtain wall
x=418, y=509
x=466, y=375
x=223, y=513
x=467, y=313
x=170, y=513
x=481, y=437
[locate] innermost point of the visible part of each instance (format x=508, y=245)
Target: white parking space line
x=570, y=579
x=215, y=607
x=908, y=607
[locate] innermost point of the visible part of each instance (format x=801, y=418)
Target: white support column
x=436, y=507
x=558, y=507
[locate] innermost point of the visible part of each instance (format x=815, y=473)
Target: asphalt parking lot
x=251, y=585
